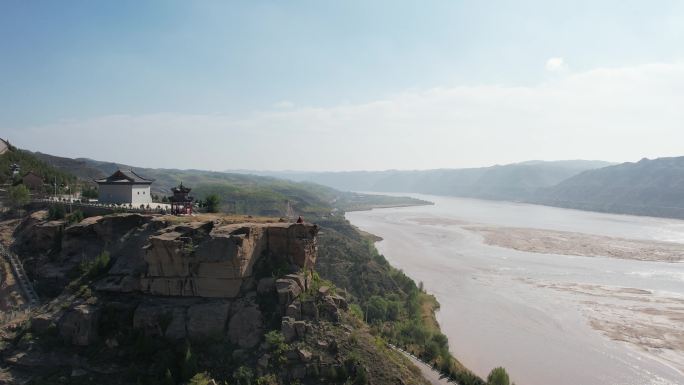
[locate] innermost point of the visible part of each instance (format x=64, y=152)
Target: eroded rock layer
x=203, y=260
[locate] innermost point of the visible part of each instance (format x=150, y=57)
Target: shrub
x=200, y=379
x=356, y=311
x=18, y=196
x=243, y=375
x=212, y=203
x=56, y=211
x=75, y=217
x=441, y=340
x=498, y=376
x=97, y=266
x=276, y=344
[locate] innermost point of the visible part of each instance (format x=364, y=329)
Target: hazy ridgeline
x=648, y=187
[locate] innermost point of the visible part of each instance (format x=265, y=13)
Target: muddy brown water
x=547, y=318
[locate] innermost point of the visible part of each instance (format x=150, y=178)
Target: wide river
x=548, y=317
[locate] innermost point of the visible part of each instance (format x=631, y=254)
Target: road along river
x=556, y=296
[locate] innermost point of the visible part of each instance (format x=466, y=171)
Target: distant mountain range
x=648, y=187
x=518, y=181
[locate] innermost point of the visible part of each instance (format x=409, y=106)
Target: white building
x=124, y=187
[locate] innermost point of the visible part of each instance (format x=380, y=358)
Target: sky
x=352, y=85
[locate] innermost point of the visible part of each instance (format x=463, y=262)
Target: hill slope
x=648, y=187
x=239, y=193
x=508, y=182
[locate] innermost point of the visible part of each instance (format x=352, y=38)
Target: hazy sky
x=341, y=85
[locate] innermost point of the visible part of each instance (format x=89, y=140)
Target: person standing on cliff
x=300, y=219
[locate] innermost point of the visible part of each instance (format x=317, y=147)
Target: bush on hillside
x=97, y=266
x=498, y=376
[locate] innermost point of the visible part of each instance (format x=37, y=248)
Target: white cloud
x=284, y=104
x=556, y=64
x=610, y=113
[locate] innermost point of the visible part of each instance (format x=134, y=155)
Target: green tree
x=498, y=376
x=393, y=310
x=89, y=193
x=212, y=203
x=376, y=309
x=18, y=196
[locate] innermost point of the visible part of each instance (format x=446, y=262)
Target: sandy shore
x=648, y=321
x=587, y=245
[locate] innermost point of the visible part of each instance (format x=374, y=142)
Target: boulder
x=323, y=290
x=296, y=241
x=41, y=323
x=304, y=355
x=207, y=320
x=288, y=289
x=298, y=279
x=79, y=325
x=309, y=309
x=246, y=326
x=39, y=237
x=300, y=328
x=294, y=310
x=329, y=309
x=339, y=301
x=263, y=361
x=287, y=328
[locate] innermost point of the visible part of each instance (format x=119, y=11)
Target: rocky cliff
x=206, y=260
x=243, y=294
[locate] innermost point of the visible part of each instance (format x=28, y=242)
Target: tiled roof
x=125, y=176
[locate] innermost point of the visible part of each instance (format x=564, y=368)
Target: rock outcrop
x=79, y=325
x=201, y=260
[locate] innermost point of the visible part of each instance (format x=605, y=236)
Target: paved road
x=428, y=372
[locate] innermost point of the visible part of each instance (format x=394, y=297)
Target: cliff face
x=204, y=260
x=220, y=267
x=242, y=295
x=194, y=259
